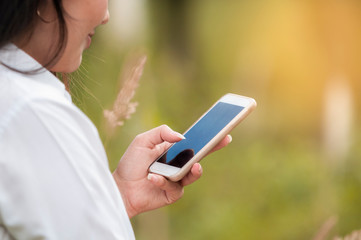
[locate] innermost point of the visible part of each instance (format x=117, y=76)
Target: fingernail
x=230, y=138
x=153, y=178
x=150, y=176
x=200, y=169
x=179, y=135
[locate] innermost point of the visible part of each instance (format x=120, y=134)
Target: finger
x=194, y=174
x=160, y=134
x=161, y=148
x=173, y=191
x=225, y=141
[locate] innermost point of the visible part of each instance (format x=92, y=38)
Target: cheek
x=86, y=10
x=77, y=32
x=99, y=11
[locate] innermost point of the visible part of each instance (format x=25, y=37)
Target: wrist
x=128, y=207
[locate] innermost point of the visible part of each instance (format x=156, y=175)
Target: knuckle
x=164, y=127
x=178, y=196
x=138, y=138
x=174, y=195
x=181, y=193
x=158, y=150
x=163, y=183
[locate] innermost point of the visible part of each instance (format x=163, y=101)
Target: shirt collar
x=14, y=57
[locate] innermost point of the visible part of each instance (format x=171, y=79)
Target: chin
x=64, y=66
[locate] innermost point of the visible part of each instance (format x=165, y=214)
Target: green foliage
x=276, y=180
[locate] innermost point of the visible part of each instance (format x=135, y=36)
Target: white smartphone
x=203, y=136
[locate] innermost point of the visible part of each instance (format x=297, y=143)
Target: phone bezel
x=175, y=173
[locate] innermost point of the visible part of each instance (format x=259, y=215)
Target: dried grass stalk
x=329, y=225
x=355, y=235
x=123, y=108
x=326, y=228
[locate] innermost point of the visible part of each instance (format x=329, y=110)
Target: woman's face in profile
x=82, y=17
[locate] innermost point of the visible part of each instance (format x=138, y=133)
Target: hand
x=141, y=191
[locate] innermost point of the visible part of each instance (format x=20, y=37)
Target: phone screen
x=200, y=134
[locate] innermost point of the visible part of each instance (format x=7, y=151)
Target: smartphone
x=203, y=136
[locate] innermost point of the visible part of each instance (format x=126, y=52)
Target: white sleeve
x=54, y=176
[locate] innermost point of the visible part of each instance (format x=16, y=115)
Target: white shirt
x=55, y=181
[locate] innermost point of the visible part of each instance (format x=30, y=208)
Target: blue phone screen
x=200, y=134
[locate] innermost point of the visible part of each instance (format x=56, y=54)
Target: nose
x=106, y=18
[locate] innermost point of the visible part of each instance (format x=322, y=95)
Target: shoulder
x=21, y=97
x=40, y=126
x=15, y=86
x=33, y=111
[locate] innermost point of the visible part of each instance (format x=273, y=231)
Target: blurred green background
x=294, y=163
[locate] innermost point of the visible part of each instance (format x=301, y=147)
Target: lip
x=89, y=39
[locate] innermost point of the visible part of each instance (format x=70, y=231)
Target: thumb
x=163, y=134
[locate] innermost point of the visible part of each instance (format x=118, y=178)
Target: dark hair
x=18, y=17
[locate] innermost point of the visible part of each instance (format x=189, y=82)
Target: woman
x=54, y=176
